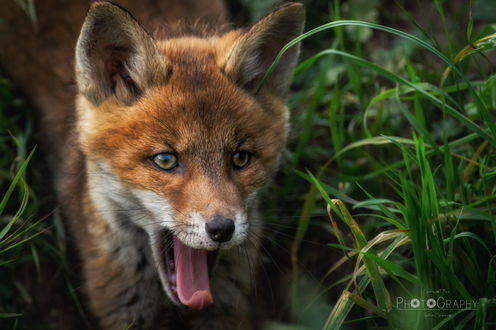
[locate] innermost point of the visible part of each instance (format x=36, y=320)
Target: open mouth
x=184, y=271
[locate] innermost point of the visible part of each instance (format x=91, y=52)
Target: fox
x=160, y=135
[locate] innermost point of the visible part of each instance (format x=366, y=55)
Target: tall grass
x=16, y=227
x=31, y=240
x=413, y=159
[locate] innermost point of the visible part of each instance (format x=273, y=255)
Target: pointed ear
x=115, y=56
x=254, y=51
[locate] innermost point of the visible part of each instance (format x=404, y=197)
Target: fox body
x=170, y=143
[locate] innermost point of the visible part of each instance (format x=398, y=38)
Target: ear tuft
x=253, y=52
x=115, y=56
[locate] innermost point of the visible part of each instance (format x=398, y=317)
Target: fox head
x=177, y=138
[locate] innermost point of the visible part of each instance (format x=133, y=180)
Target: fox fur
x=187, y=91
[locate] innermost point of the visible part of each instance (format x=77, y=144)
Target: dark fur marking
x=116, y=251
x=109, y=280
x=141, y=320
x=236, y=282
x=121, y=294
x=118, y=308
x=142, y=263
x=224, y=263
x=134, y=299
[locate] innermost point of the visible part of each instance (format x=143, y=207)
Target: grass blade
x=14, y=182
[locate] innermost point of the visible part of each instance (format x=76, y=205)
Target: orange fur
x=190, y=91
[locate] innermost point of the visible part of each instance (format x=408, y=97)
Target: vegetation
x=403, y=137
x=386, y=197
x=35, y=278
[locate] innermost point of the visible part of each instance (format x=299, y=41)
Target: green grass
x=388, y=182
x=32, y=242
x=17, y=227
x=411, y=153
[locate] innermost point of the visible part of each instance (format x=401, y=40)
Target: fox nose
x=220, y=229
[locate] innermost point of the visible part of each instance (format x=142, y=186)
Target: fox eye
x=166, y=160
x=240, y=159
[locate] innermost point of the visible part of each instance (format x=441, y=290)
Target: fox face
x=176, y=137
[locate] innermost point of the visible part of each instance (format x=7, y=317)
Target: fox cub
x=171, y=142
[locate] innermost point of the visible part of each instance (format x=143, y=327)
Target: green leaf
x=394, y=268
x=9, y=315
x=12, y=185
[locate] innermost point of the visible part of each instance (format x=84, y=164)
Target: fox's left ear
x=254, y=51
x=115, y=56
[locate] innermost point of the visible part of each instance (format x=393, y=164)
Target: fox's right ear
x=115, y=56
x=255, y=50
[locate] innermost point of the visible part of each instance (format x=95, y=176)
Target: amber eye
x=166, y=161
x=240, y=159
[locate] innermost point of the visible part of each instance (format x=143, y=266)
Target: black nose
x=220, y=229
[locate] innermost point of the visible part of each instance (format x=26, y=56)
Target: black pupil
x=240, y=158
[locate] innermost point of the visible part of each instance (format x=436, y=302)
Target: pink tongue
x=193, y=288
